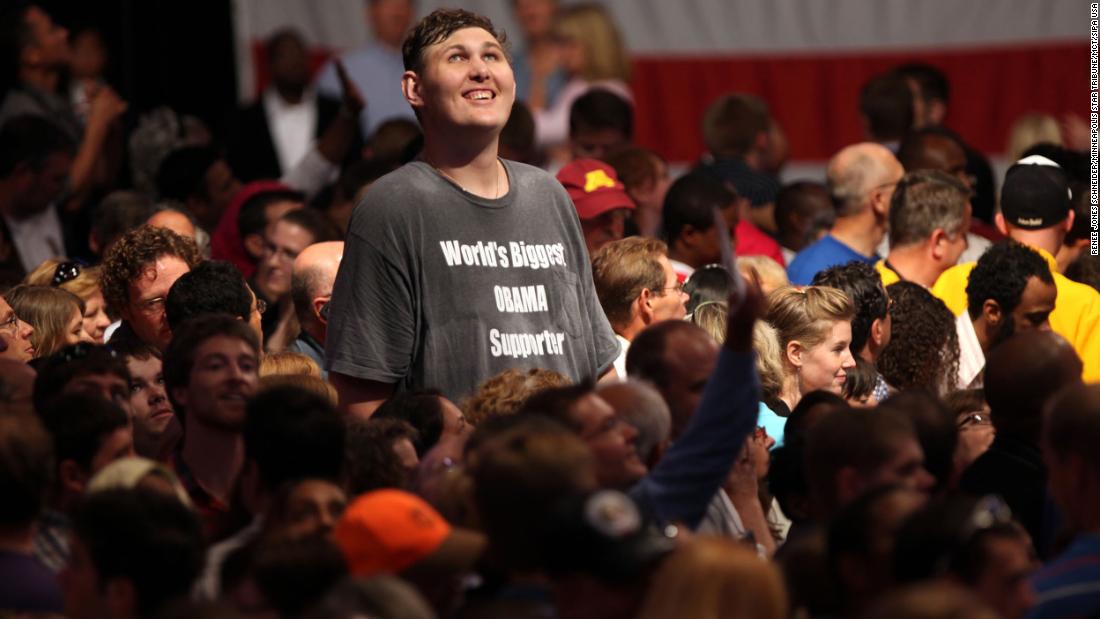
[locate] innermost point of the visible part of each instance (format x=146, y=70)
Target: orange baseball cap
x=594, y=188
x=392, y=530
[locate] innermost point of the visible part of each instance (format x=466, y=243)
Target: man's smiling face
x=466, y=82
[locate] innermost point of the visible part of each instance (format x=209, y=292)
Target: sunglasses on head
x=66, y=272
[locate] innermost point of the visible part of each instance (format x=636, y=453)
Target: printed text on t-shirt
x=513, y=254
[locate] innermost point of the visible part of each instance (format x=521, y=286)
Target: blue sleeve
x=327, y=82
x=682, y=484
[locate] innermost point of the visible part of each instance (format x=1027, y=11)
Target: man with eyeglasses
x=138, y=272
x=861, y=180
x=15, y=335
x=311, y=290
x=284, y=239
x=636, y=287
x=929, y=217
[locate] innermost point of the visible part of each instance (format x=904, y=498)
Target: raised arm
x=681, y=485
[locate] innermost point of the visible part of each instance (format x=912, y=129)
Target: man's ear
x=72, y=478
x=1000, y=223
x=1069, y=221
x=938, y=243
x=760, y=142
x=644, y=305
x=880, y=203
x=992, y=312
x=410, y=87
x=317, y=304
x=936, y=111
x=878, y=333
x=689, y=235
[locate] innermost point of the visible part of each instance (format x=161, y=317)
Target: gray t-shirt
x=441, y=288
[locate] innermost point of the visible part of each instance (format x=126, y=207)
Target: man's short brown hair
x=863, y=439
x=439, y=25
x=179, y=359
x=622, y=269
x=731, y=124
x=924, y=201
x=133, y=254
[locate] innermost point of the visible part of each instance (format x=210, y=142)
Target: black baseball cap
x=1036, y=194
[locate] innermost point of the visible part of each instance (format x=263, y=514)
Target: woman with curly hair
x=56, y=315
x=83, y=281
x=924, y=345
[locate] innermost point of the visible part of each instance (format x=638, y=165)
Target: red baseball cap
x=594, y=188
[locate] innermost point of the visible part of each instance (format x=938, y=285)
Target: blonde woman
x=289, y=363
x=593, y=56
x=56, y=315
x=715, y=577
x=83, y=282
x=813, y=326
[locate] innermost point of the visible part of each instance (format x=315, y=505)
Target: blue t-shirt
x=1069, y=586
x=821, y=255
x=772, y=423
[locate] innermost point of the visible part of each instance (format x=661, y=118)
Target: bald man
x=173, y=220
x=310, y=289
x=1020, y=376
x=861, y=180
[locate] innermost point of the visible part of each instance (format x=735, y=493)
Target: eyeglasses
x=975, y=419
x=65, y=272
x=151, y=306
x=678, y=287
x=11, y=324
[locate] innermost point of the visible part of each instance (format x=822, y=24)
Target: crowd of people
x=428, y=336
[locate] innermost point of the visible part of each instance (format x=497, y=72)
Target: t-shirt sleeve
x=372, y=326
x=603, y=336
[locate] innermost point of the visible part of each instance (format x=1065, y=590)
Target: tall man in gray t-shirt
x=461, y=265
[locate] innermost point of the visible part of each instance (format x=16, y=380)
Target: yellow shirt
x=886, y=273
x=1076, y=314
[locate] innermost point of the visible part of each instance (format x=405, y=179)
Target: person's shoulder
x=529, y=178
x=527, y=173
x=1082, y=294
x=397, y=194
x=809, y=254
x=950, y=287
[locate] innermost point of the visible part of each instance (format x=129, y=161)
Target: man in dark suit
x=35, y=160
x=278, y=129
